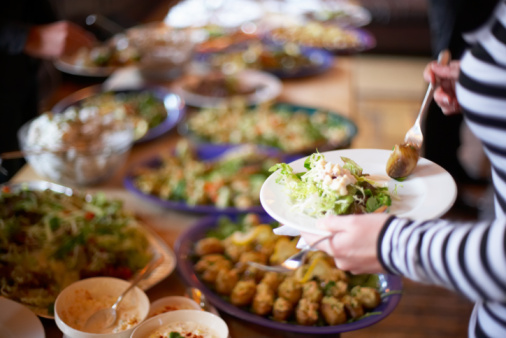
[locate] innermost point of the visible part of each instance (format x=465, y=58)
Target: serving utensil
x=405, y=156
x=293, y=262
x=105, y=318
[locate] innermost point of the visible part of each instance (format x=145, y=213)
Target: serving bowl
x=76, y=148
x=205, y=323
x=77, y=302
x=158, y=106
x=172, y=303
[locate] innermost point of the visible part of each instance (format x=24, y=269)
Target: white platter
x=268, y=88
x=427, y=193
x=17, y=320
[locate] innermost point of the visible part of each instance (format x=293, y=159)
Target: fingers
x=428, y=74
x=448, y=103
x=446, y=72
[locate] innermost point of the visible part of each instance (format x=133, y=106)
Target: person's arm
x=469, y=258
x=56, y=39
x=44, y=41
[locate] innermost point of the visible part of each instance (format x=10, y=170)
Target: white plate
x=17, y=320
x=269, y=88
x=426, y=194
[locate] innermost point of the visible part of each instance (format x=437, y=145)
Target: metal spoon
x=105, y=318
x=405, y=156
x=291, y=263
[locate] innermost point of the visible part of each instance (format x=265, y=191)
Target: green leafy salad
x=49, y=240
x=327, y=188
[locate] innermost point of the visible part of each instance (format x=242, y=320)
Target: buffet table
x=332, y=90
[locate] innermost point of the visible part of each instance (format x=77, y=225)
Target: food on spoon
x=314, y=294
x=331, y=189
x=402, y=161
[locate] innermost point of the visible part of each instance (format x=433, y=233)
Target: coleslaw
x=331, y=189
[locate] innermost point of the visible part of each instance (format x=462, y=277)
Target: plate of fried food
x=317, y=298
x=55, y=235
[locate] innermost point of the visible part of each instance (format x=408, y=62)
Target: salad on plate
x=332, y=189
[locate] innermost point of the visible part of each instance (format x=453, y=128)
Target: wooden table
x=332, y=90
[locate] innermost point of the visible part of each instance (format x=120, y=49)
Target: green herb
x=175, y=335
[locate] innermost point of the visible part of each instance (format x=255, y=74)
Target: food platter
x=206, y=153
x=337, y=131
x=172, y=102
x=426, y=194
x=139, y=46
x=264, y=87
x=184, y=249
x=276, y=59
x=321, y=60
x=17, y=320
x=156, y=245
x=350, y=40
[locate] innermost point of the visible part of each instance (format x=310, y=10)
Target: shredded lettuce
x=317, y=195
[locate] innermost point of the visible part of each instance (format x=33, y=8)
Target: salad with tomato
x=49, y=240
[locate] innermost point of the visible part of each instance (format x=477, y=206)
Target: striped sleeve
x=468, y=258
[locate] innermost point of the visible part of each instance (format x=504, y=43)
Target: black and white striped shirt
x=469, y=258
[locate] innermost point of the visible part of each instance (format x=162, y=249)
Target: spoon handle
x=138, y=277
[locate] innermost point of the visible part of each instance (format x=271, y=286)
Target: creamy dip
x=85, y=305
x=186, y=329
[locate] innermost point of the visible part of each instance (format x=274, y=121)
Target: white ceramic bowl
x=205, y=320
x=172, y=303
x=79, y=300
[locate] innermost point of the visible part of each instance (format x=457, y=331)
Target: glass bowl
x=78, y=148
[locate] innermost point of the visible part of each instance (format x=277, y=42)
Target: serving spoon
x=105, y=318
x=293, y=262
x=405, y=156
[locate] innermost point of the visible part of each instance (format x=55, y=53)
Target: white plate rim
x=428, y=177
x=19, y=320
x=271, y=90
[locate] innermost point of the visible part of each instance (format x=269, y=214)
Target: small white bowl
x=204, y=320
x=78, y=301
x=172, y=303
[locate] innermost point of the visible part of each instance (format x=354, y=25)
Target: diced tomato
x=6, y=189
x=89, y=216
